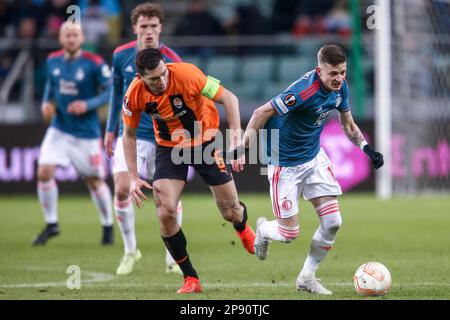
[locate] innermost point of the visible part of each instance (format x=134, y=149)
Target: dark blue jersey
x=87, y=78
x=124, y=71
x=303, y=109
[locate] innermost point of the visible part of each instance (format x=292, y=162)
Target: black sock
x=241, y=225
x=176, y=245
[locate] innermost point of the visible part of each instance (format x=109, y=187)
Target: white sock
x=169, y=259
x=125, y=218
x=48, y=198
x=273, y=231
x=103, y=202
x=324, y=237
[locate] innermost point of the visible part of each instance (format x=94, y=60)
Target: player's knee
x=167, y=213
x=334, y=223
x=94, y=183
x=44, y=173
x=122, y=191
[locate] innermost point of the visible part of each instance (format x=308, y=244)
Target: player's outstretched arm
x=258, y=120
x=129, y=147
x=231, y=105
x=355, y=136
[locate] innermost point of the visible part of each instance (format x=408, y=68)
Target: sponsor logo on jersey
x=177, y=103
x=56, y=72
x=322, y=118
x=68, y=88
x=79, y=75
x=129, y=68
x=289, y=100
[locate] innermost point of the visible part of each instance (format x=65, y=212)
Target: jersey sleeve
x=103, y=80
x=131, y=106
x=115, y=98
x=295, y=95
x=48, y=90
x=344, y=104
x=196, y=83
x=286, y=101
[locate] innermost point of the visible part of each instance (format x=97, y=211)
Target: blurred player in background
x=147, y=22
x=180, y=98
x=77, y=84
x=299, y=114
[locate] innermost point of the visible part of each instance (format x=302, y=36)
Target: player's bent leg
x=171, y=266
x=235, y=212
x=124, y=210
x=327, y=209
x=166, y=193
x=47, y=191
x=102, y=198
x=283, y=230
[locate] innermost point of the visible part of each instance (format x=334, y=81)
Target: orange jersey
x=181, y=114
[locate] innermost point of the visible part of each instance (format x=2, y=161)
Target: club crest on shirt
x=289, y=100
x=79, y=75
x=286, y=204
x=338, y=101
x=56, y=72
x=125, y=107
x=177, y=103
x=106, y=73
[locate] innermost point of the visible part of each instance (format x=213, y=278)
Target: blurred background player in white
x=147, y=20
x=77, y=84
x=302, y=167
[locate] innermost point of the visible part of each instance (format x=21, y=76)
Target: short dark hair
x=147, y=10
x=148, y=59
x=331, y=54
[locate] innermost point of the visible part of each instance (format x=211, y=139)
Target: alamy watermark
x=222, y=149
x=373, y=21
x=73, y=282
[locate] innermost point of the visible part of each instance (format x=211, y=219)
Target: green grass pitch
x=411, y=236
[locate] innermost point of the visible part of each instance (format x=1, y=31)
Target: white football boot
x=311, y=285
x=127, y=263
x=261, y=243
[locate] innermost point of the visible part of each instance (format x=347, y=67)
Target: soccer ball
x=372, y=279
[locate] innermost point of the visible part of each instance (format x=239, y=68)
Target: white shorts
x=312, y=179
x=146, y=152
x=63, y=149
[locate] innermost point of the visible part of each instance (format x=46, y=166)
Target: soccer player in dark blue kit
x=147, y=19
x=300, y=166
x=77, y=84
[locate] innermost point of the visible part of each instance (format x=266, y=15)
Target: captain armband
x=211, y=87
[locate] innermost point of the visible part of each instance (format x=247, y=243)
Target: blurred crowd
x=109, y=19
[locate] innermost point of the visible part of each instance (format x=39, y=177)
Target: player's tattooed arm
x=350, y=128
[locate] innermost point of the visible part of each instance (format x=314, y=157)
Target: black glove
x=375, y=156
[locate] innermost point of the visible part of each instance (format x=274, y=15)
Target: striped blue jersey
x=124, y=71
x=86, y=78
x=303, y=109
